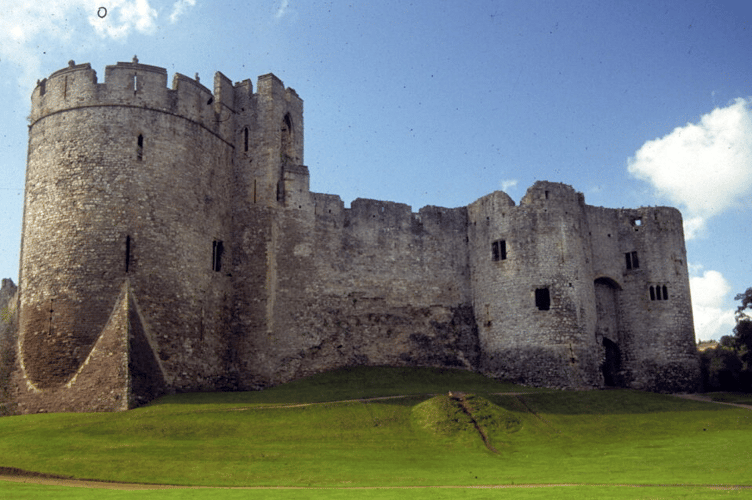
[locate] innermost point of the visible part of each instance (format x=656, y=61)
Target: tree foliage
x=743, y=328
x=728, y=367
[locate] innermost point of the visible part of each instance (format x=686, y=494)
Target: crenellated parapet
x=132, y=84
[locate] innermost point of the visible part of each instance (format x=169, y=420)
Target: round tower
x=127, y=185
x=532, y=287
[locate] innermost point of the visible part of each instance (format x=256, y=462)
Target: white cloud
x=179, y=8
x=712, y=320
x=123, y=17
x=705, y=167
x=508, y=184
x=284, y=9
x=35, y=27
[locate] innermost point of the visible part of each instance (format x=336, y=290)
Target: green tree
x=743, y=328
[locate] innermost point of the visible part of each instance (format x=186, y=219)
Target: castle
x=171, y=243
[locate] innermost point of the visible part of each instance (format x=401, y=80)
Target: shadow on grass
x=600, y=402
x=362, y=382
x=417, y=384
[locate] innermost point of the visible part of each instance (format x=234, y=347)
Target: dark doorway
x=606, y=308
x=612, y=365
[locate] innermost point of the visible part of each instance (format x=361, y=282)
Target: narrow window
x=632, y=262
x=245, y=139
x=140, y=148
x=135, y=83
x=499, y=250
x=286, y=146
x=542, y=299
x=665, y=292
x=52, y=310
x=652, y=292
x=217, y=251
x=127, y=253
x=42, y=87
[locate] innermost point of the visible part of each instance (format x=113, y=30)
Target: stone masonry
x=171, y=243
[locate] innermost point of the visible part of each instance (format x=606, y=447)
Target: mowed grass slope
x=316, y=432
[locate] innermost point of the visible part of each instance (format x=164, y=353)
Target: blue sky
x=441, y=102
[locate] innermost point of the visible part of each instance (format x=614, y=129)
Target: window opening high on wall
x=140, y=147
x=632, y=261
x=217, y=250
x=542, y=299
x=499, y=250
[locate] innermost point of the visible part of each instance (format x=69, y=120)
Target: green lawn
x=267, y=439
x=13, y=491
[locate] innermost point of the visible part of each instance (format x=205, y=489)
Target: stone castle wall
x=126, y=180
x=536, y=302
x=170, y=238
x=373, y=284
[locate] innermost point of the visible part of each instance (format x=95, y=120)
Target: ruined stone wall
x=534, y=301
x=598, y=266
x=8, y=297
x=655, y=328
x=8, y=337
x=374, y=284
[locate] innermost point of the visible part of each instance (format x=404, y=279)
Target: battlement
x=132, y=84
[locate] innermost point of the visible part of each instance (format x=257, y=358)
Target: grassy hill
x=331, y=431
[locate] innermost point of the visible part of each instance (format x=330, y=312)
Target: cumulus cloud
x=33, y=27
x=712, y=320
x=123, y=17
x=705, y=167
x=179, y=8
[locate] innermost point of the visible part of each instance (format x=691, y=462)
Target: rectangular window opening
x=217, y=251
x=245, y=139
x=135, y=83
x=542, y=299
x=658, y=292
x=499, y=250
x=632, y=261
